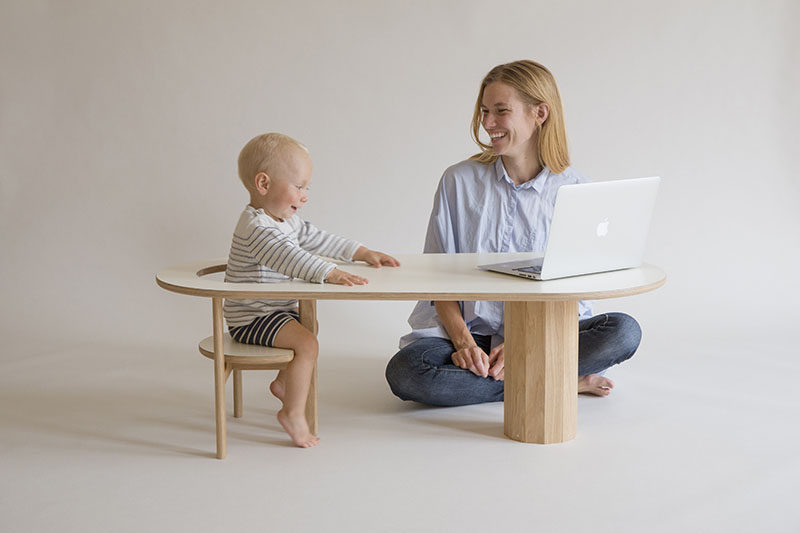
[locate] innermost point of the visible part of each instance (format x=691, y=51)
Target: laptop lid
x=597, y=227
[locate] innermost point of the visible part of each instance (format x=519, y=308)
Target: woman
x=500, y=200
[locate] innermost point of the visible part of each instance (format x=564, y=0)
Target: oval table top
x=420, y=277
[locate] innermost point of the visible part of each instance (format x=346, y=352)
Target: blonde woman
x=500, y=200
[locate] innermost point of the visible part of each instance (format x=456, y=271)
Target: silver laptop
x=596, y=227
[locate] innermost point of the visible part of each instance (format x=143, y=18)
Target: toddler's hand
x=340, y=277
x=374, y=258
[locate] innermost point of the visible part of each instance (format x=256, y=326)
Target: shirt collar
x=536, y=183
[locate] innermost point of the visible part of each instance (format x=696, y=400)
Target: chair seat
x=237, y=353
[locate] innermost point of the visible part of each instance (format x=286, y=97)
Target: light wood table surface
x=541, y=317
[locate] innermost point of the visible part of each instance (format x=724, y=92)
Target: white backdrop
x=120, y=124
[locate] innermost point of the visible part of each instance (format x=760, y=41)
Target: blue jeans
x=424, y=372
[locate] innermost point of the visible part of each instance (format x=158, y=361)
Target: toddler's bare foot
x=297, y=428
x=277, y=388
x=595, y=384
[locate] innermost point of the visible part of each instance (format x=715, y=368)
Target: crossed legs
x=424, y=372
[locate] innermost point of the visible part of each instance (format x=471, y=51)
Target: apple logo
x=602, y=228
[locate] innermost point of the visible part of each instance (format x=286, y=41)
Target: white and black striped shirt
x=266, y=251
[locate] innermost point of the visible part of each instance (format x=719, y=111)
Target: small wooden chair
x=228, y=355
x=239, y=356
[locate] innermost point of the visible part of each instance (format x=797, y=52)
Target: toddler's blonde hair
x=265, y=153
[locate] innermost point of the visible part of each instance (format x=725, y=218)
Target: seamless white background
x=120, y=124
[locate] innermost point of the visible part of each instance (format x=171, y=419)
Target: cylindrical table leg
x=219, y=377
x=541, y=371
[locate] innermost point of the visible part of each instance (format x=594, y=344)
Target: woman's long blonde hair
x=535, y=85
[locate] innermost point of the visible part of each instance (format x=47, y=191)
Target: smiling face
x=510, y=123
x=285, y=191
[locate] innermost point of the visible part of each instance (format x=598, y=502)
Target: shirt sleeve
x=441, y=236
x=274, y=249
x=320, y=242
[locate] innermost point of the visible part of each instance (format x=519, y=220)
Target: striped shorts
x=263, y=329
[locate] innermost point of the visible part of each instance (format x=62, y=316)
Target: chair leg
x=237, y=393
x=311, y=403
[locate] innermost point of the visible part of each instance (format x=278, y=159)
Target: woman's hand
x=376, y=259
x=340, y=277
x=497, y=363
x=473, y=359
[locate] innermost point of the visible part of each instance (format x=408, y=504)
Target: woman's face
x=510, y=123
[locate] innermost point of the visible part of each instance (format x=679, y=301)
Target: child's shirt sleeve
x=275, y=250
x=320, y=242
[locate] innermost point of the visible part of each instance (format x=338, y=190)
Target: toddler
x=270, y=244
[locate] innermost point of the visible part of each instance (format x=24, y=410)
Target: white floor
x=696, y=437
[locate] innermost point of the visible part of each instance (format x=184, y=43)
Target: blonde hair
x=265, y=153
x=535, y=85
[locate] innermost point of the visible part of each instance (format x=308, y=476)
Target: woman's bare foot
x=595, y=384
x=277, y=388
x=297, y=428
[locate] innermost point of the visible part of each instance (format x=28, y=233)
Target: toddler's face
x=288, y=192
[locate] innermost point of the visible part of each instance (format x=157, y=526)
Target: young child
x=272, y=244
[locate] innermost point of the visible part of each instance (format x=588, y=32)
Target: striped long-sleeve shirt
x=266, y=251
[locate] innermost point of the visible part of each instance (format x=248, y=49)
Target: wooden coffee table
x=541, y=317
